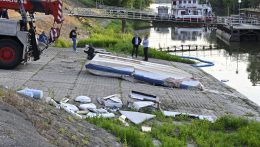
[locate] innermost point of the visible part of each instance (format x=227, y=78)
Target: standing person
x=146, y=45
x=136, y=41
x=73, y=36
x=4, y=14
x=1, y=11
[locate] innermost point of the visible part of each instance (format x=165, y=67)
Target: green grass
x=88, y=3
x=227, y=131
x=127, y=135
x=62, y=43
x=114, y=41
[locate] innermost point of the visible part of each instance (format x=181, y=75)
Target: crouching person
x=90, y=51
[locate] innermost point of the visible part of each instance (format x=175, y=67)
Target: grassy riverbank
x=114, y=41
x=226, y=131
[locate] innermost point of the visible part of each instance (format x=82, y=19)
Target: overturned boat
x=156, y=74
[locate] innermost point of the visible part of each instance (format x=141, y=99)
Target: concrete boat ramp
x=61, y=73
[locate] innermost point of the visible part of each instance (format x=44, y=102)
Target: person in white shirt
x=146, y=46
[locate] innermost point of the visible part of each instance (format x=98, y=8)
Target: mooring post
x=123, y=25
x=181, y=47
x=189, y=47
x=196, y=47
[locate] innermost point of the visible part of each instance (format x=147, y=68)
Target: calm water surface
x=236, y=64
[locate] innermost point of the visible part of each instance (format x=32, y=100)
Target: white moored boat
x=191, y=10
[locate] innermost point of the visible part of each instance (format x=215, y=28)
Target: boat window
x=189, y=2
x=194, y=1
x=184, y=2
x=180, y=2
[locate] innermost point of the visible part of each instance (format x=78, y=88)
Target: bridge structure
x=150, y=16
x=132, y=14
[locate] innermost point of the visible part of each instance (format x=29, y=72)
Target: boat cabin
x=191, y=9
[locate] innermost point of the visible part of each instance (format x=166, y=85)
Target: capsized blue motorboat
x=152, y=73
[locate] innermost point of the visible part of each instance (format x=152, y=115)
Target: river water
x=236, y=64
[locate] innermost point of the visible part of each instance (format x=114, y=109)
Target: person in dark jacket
x=4, y=13
x=136, y=41
x=90, y=52
x=73, y=36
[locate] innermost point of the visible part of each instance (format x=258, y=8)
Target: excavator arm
x=49, y=7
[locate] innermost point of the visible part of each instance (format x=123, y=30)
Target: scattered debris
x=69, y=107
x=156, y=143
x=105, y=115
x=122, y=119
x=89, y=106
x=112, y=101
x=141, y=104
x=34, y=93
x=146, y=129
x=201, y=117
x=143, y=96
x=72, y=109
x=224, y=81
x=83, y=99
x=137, y=117
x=64, y=100
x=99, y=110
x=169, y=113
x=83, y=112
x=52, y=102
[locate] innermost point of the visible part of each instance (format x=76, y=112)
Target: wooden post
x=181, y=47
x=123, y=25
x=196, y=47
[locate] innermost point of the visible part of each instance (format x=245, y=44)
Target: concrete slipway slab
x=61, y=73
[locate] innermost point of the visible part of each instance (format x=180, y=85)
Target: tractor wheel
x=10, y=54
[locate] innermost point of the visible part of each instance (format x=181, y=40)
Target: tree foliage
x=129, y=3
x=225, y=7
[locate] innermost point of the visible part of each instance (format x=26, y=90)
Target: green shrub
x=229, y=123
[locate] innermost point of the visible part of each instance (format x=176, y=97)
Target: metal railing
x=236, y=20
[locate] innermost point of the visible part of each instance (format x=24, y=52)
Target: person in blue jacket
x=43, y=38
